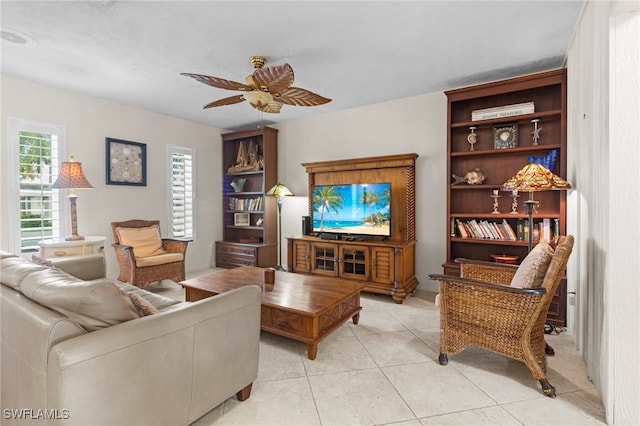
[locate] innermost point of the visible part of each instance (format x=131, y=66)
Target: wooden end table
x=305, y=308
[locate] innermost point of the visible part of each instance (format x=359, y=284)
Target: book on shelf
x=509, y=229
x=520, y=229
x=503, y=111
x=546, y=230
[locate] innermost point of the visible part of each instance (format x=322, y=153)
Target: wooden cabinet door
x=301, y=255
x=382, y=265
x=324, y=259
x=354, y=262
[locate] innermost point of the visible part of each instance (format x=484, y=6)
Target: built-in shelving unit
x=468, y=202
x=249, y=168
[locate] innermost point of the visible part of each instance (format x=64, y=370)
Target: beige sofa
x=170, y=367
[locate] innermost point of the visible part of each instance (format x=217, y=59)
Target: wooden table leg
x=356, y=318
x=312, y=351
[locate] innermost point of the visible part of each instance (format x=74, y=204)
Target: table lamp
x=279, y=191
x=72, y=177
x=534, y=177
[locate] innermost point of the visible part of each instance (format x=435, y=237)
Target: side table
x=62, y=248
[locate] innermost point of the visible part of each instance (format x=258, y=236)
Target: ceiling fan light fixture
x=266, y=89
x=258, y=98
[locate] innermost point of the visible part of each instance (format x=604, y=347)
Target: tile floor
x=384, y=371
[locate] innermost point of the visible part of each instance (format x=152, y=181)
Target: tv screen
x=359, y=208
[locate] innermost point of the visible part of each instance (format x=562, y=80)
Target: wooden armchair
x=481, y=309
x=143, y=256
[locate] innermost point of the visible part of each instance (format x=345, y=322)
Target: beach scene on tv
x=362, y=209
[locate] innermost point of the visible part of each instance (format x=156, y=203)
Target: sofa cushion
x=92, y=304
x=144, y=308
x=86, y=267
x=145, y=241
x=159, y=259
x=14, y=269
x=531, y=272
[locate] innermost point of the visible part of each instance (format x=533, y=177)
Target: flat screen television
x=356, y=209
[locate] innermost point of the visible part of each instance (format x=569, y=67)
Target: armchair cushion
x=145, y=241
x=158, y=259
x=531, y=272
x=92, y=304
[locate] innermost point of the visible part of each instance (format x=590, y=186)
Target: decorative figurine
x=474, y=177
x=472, y=138
x=247, y=158
x=536, y=131
x=238, y=184
x=514, y=205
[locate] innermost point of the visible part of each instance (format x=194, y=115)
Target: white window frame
x=12, y=176
x=181, y=150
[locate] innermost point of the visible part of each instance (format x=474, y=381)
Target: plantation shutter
x=182, y=193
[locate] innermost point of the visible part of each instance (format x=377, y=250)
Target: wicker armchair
x=167, y=263
x=482, y=310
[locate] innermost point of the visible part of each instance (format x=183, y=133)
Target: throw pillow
x=531, y=272
x=41, y=261
x=144, y=308
x=145, y=241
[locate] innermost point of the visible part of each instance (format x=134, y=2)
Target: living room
x=599, y=263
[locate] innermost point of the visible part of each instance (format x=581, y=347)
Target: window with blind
x=181, y=192
x=34, y=205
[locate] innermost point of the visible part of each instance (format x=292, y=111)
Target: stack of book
x=245, y=204
x=484, y=229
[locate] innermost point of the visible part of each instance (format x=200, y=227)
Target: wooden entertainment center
x=386, y=265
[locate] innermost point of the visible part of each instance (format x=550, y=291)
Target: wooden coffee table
x=306, y=308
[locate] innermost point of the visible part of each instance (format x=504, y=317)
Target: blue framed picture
x=126, y=162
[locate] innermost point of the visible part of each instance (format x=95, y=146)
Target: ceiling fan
x=266, y=89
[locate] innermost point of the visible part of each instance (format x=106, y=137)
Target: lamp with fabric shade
x=72, y=177
x=279, y=191
x=534, y=177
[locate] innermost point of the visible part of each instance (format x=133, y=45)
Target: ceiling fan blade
x=218, y=82
x=301, y=97
x=225, y=101
x=275, y=79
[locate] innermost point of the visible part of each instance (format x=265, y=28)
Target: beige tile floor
x=384, y=371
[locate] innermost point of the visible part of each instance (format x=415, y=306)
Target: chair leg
x=547, y=389
x=549, y=350
x=443, y=359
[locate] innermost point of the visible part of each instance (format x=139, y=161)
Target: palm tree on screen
x=326, y=198
x=369, y=198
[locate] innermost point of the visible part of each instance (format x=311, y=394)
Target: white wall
x=416, y=124
x=604, y=159
x=88, y=121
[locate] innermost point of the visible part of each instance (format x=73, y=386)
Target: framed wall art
x=505, y=136
x=126, y=162
x=241, y=219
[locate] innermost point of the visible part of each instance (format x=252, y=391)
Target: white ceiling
x=356, y=53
